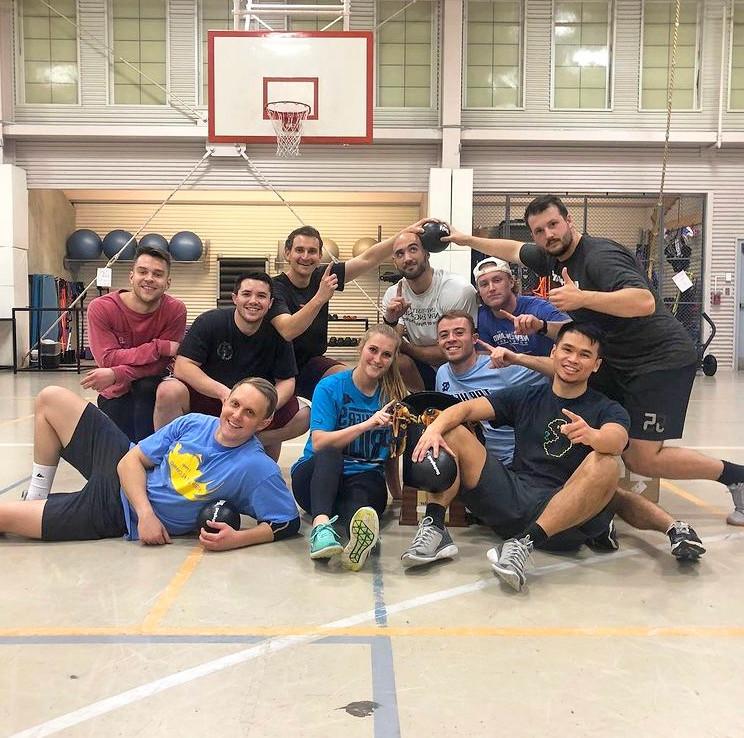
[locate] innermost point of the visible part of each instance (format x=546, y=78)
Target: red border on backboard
x=366, y=139
x=266, y=101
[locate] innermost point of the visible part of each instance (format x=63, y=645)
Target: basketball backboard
x=330, y=71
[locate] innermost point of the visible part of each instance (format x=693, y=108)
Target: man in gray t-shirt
x=415, y=305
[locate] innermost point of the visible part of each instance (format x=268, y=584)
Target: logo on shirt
x=185, y=472
x=225, y=351
x=445, y=386
x=555, y=444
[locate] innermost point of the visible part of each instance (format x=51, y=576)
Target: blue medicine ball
x=186, y=246
x=115, y=240
x=154, y=241
x=84, y=244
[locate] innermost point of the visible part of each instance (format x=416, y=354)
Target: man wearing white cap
x=510, y=320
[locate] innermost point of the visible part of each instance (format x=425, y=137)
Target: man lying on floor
x=157, y=488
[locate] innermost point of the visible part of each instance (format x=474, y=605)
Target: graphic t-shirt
x=314, y=341
x=193, y=469
x=543, y=457
x=338, y=403
x=632, y=345
x=480, y=381
x=447, y=292
x=500, y=331
x=227, y=355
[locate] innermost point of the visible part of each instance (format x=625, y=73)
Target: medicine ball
x=115, y=240
x=220, y=512
x=362, y=245
x=329, y=247
x=431, y=238
x=185, y=246
x=154, y=241
x=84, y=244
x=430, y=474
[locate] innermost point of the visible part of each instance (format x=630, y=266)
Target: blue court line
x=65, y=640
x=384, y=691
x=14, y=485
x=378, y=588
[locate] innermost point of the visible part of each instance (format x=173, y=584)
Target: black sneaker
x=606, y=541
x=686, y=545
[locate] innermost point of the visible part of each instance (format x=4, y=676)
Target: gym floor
x=112, y=638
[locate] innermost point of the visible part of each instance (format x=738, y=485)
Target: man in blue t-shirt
x=519, y=323
x=558, y=492
x=157, y=488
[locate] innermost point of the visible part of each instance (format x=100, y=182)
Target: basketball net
x=287, y=117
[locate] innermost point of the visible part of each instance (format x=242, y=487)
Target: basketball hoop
x=287, y=118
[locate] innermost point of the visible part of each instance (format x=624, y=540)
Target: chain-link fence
x=664, y=243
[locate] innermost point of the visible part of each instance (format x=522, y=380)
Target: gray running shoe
x=686, y=545
x=736, y=516
x=429, y=544
x=512, y=561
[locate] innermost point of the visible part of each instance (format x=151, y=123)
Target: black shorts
x=656, y=402
x=311, y=373
x=95, y=449
x=509, y=505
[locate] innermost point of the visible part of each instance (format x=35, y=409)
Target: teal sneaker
x=324, y=540
x=364, y=531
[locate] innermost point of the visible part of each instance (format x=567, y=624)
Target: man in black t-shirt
x=651, y=361
x=560, y=489
x=303, y=290
x=224, y=346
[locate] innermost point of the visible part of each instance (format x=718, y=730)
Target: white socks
x=41, y=482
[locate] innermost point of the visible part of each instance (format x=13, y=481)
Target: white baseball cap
x=491, y=264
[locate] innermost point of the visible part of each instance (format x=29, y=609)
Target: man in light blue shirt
x=466, y=375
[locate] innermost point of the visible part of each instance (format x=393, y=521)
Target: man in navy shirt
x=558, y=492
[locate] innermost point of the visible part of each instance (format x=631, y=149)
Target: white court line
x=274, y=645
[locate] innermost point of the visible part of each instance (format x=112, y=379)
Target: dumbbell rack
x=351, y=330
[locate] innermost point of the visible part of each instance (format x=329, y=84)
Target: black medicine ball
x=431, y=238
x=429, y=475
x=220, y=512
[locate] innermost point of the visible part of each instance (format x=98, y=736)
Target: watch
x=542, y=331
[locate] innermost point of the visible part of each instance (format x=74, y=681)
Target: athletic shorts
x=312, y=373
x=656, y=402
x=428, y=374
x=509, y=505
x=95, y=449
x=199, y=403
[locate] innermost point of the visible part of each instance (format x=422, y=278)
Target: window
x=309, y=22
x=216, y=16
x=493, y=54
x=139, y=36
x=658, y=31
x=50, y=53
x=404, y=52
x=582, y=46
x=736, y=77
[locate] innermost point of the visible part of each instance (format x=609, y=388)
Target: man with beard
x=224, y=346
x=651, y=361
x=415, y=305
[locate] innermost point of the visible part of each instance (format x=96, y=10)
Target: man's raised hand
x=500, y=357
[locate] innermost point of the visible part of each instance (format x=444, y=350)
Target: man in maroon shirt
x=134, y=336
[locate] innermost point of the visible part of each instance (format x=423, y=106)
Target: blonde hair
x=391, y=383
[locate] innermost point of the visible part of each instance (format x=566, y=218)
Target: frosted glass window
x=309, y=22
x=216, y=15
x=736, y=81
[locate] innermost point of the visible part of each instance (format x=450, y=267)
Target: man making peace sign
x=650, y=361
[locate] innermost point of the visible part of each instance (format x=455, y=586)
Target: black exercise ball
x=221, y=512
x=430, y=474
x=431, y=238
x=710, y=365
x=185, y=246
x=115, y=240
x=154, y=241
x=84, y=244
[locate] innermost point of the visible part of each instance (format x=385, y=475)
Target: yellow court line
x=15, y=420
x=169, y=594
x=639, y=631
x=685, y=495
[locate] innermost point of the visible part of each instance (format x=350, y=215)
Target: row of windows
x=494, y=47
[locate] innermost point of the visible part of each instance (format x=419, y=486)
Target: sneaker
x=736, y=516
x=512, y=561
x=606, y=541
x=324, y=540
x=429, y=544
x=686, y=545
x=364, y=530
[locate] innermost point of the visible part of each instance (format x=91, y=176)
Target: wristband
x=542, y=331
x=392, y=324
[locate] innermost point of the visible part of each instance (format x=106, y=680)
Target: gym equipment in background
x=185, y=246
x=114, y=241
x=84, y=244
x=154, y=241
